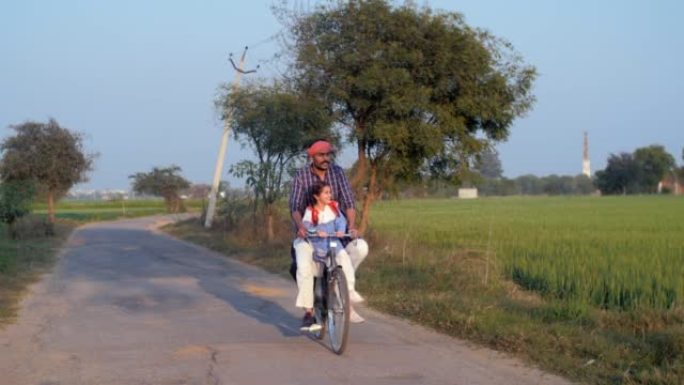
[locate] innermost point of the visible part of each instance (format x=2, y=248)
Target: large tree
x=276, y=123
x=639, y=172
x=47, y=154
x=655, y=162
x=164, y=182
x=621, y=175
x=415, y=90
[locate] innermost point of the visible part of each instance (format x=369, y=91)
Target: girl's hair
x=317, y=187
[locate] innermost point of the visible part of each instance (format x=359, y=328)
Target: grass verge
x=22, y=262
x=240, y=244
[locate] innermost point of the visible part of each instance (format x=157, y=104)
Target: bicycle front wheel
x=320, y=308
x=338, y=311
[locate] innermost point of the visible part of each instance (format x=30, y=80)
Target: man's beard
x=322, y=165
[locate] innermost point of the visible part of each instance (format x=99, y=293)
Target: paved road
x=128, y=305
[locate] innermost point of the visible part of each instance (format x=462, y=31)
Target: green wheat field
x=620, y=253
x=588, y=287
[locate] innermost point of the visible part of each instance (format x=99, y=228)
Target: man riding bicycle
x=321, y=168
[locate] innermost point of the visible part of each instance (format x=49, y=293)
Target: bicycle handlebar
x=313, y=234
x=331, y=236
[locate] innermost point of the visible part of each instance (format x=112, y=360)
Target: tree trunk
x=359, y=177
x=270, y=235
x=174, y=203
x=368, y=198
x=51, y=206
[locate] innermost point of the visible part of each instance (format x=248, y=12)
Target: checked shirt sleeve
x=346, y=194
x=298, y=197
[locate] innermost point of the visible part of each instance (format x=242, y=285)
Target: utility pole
x=224, y=140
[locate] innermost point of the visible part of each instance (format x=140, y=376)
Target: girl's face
x=324, y=196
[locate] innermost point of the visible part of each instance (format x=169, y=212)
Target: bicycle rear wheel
x=338, y=311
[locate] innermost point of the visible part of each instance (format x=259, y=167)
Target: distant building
x=670, y=184
x=467, y=193
x=97, y=195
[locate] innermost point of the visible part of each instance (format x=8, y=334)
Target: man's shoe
x=355, y=297
x=309, y=324
x=354, y=317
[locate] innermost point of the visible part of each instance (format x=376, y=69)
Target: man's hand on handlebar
x=304, y=233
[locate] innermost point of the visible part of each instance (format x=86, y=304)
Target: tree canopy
x=276, y=123
x=620, y=175
x=654, y=162
x=164, y=182
x=416, y=91
x=47, y=154
x=635, y=173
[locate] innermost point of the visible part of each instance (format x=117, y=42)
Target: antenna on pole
x=211, y=208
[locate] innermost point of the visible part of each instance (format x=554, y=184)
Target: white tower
x=586, y=167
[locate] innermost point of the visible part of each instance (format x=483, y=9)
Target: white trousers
x=349, y=258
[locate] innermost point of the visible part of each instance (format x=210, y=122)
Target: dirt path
x=127, y=305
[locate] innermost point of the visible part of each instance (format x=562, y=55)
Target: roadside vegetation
x=164, y=182
x=24, y=257
x=588, y=287
x=48, y=156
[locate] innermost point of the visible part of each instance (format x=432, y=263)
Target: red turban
x=319, y=147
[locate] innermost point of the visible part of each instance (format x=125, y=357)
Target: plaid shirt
x=301, y=196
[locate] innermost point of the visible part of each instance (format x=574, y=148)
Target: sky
x=139, y=78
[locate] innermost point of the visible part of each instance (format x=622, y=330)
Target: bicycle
x=331, y=299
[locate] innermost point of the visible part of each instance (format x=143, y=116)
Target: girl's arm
x=308, y=224
x=307, y=221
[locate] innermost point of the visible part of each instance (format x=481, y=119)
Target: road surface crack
x=212, y=377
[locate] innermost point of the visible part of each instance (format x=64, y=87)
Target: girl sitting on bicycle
x=325, y=219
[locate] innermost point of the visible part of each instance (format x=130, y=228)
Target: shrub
x=15, y=202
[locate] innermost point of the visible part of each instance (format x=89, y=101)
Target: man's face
x=322, y=160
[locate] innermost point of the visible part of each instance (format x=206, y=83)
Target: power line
x=266, y=40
